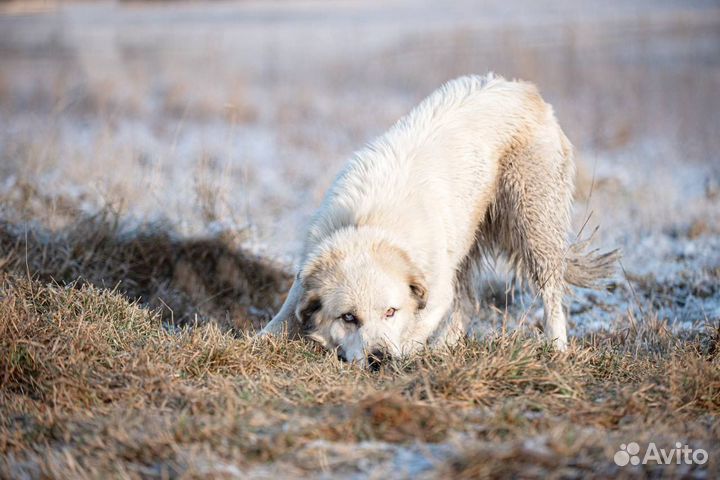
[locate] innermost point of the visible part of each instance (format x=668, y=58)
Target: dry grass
x=94, y=384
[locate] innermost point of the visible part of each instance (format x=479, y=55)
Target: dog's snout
x=376, y=358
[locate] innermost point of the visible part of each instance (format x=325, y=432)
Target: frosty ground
x=172, y=155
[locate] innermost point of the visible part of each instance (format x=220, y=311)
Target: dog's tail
x=590, y=268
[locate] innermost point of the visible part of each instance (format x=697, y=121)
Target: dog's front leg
x=285, y=321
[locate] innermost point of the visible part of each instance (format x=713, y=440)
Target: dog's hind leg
x=285, y=321
x=531, y=220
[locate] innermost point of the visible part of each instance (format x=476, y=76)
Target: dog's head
x=360, y=297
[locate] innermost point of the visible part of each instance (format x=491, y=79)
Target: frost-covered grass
x=158, y=166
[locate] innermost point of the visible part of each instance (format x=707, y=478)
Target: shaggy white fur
x=479, y=167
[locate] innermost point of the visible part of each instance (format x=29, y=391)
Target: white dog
x=479, y=167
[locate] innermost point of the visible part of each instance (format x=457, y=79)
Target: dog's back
x=438, y=169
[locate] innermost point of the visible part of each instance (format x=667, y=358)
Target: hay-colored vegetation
x=95, y=384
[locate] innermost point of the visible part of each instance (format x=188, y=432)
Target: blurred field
x=170, y=154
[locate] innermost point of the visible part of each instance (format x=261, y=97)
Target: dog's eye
x=349, y=318
x=390, y=312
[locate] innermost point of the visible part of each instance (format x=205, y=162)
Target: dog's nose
x=341, y=355
x=376, y=357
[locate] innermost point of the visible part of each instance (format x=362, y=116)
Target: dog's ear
x=310, y=303
x=418, y=290
x=308, y=307
x=399, y=262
